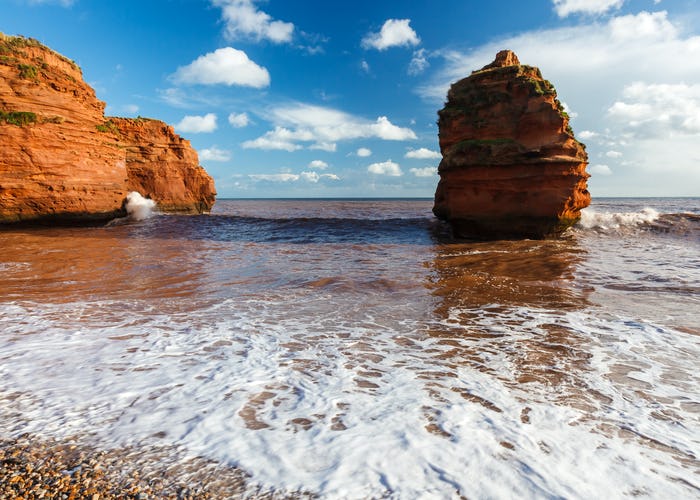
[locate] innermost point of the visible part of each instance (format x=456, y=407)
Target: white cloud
x=364, y=65
x=385, y=168
x=310, y=176
x=244, y=20
x=324, y=146
x=238, y=120
x=214, y=154
x=595, y=65
x=285, y=177
x=419, y=63
x=318, y=164
x=613, y=154
x=424, y=172
x=307, y=176
x=322, y=128
x=423, y=154
x=197, y=124
x=568, y=110
x=226, y=66
x=315, y=177
x=394, y=33
x=587, y=134
x=599, y=170
x=658, y=110
x=567, y=7
x=280, y=138
x=363, y=152
x=131, y=109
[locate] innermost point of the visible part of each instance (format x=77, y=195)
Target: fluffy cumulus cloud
x=394, y=33
x=424, y=172
x=197, y=124
x=214, y=154
x=317, y=127
x=245, y=21
x=599, y=169
x=225, y=66
x=363, y=152
x=385, y=168
x=659, y=110
x=310, y=176
x=238, y=120
x=567, y=7
x=318, y=165
x=423, y=154
x=632, y=83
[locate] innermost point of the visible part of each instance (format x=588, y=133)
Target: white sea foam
x=606, y=221
x=356, y=411
x=138, y=207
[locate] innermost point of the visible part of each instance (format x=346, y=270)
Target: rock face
x=61, y=160
x=511, y=166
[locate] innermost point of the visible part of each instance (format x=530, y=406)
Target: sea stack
x=63, y=161
x=511, y=167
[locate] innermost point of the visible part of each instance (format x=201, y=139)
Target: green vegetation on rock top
x=12, y=45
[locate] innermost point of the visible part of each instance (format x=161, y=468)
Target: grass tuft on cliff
x=28, y=71
x=19, y=118
x=108, y=127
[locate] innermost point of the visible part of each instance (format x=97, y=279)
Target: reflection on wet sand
x=71, y=264
x=508, y=273
x=498, y=308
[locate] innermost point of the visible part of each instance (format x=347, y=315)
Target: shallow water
x=352, y=349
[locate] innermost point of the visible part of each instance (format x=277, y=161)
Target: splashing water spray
x=138, y=207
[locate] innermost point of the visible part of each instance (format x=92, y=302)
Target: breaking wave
x=605, y=221
x=677, y=224
x=138, y=207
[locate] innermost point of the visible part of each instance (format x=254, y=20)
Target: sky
x=304, y=98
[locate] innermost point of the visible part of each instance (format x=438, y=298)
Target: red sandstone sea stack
x=61, y=160
x=511, y=167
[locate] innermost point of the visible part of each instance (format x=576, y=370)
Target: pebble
x=32, y=468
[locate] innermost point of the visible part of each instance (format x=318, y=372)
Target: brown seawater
x=351, y=348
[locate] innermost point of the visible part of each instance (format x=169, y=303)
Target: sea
x=354, y=349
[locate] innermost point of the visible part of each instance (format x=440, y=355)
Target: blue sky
x=303, y=98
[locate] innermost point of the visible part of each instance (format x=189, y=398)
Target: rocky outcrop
x=62, y=160
x=511, y=166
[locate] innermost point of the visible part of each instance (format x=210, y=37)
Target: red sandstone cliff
x=511, y=166
x=62, y=160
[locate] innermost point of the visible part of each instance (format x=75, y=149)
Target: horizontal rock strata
x=511, y=166
x=61, y=160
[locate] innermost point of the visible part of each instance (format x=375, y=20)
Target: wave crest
x=616, y=221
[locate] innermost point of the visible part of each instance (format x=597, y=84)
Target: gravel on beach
x=32, y=468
